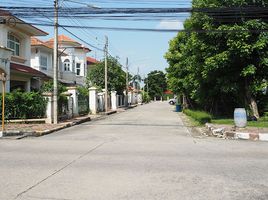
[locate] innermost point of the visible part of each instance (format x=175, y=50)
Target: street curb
x=19, y=134
x=227, y=134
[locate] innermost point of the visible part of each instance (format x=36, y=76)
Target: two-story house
x=74, y=61
x=16, y=34
x=42, y=59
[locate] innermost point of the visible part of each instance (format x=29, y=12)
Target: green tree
x=116, y=76
x=156, y=83
x=222, y=69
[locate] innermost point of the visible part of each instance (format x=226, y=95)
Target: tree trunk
x=252, y=103
x=254, y=107
x=185, y=102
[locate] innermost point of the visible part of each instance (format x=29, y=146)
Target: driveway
x=144, y=153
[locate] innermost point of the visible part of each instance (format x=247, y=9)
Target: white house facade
x=74, y=60
x=16, y=36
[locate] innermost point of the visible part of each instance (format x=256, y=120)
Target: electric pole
x=127, y=82
x=106, y=73
x=55, y=69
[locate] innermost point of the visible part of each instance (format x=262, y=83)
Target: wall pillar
x=114, y=100
x=139, y=99
x=28, y=86
x=93, y=100
x=49, y=110
x=74, y=93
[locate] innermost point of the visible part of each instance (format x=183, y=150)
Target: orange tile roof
x=36, y=42
x=61, y=39
x=64, y=38
x=92, y=60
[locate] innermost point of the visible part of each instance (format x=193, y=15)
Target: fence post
x=73, y=91
x=93, y=100
x=113, y=100
x=49, y=114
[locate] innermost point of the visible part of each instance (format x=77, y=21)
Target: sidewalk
x=21, y=130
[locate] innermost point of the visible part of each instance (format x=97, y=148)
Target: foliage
x=83, y=100
x=116, y=76
x=83, y=91
x=24, y=105
x=200, y=116
x=48, y=87
x=156, y=83
x=62, y=99
x=145, y=97
x=218, y=71
x=136, y=79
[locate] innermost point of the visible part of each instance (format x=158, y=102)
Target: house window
x=13, y=43
x=66, y=65
x=78, y=69
x=43, y=62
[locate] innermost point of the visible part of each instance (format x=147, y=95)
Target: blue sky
x=144, y=49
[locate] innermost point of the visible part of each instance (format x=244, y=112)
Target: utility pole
x=127, y=82
x=106, y=73
x=55, y=69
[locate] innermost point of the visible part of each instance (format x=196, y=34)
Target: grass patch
x=199, y=116
x=261, y=123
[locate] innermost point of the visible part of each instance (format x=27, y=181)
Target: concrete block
x=254, y=136
x=244, y=136
x=263, y=136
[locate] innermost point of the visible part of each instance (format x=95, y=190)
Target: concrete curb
x=227, y=134
x=19, y=134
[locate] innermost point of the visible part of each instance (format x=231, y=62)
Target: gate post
x=114, y=100
x=49, y=109
x=93, y=100
x=73, y=91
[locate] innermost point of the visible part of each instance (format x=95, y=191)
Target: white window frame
x=66, y=65
x=42, y=64
x=78, y=68
x=14, y=41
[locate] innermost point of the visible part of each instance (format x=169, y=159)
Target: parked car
x=172, y=101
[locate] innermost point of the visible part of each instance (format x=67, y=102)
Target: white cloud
x=170, y=24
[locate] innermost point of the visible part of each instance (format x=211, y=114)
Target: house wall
x=25, y=43
x=75, y=56
x=36, y=53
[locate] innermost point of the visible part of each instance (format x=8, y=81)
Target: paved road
x=143, y=154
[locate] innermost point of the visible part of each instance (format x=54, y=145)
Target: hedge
x=200, y=116
x=24, y=105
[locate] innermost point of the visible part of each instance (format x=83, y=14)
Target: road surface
x=142, y=154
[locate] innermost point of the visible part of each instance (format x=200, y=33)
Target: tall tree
x=226, y=65
x=157, y=84
x=116, y=76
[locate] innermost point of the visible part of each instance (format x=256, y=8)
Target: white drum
x=240, y=117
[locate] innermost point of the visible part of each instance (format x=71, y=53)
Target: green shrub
x=200, y=116
x=83, y=100
x=145, y=97
x=24, y=105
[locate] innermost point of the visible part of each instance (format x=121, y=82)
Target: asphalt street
x=145, y=153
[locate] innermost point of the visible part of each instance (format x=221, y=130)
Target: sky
x=145, y=50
